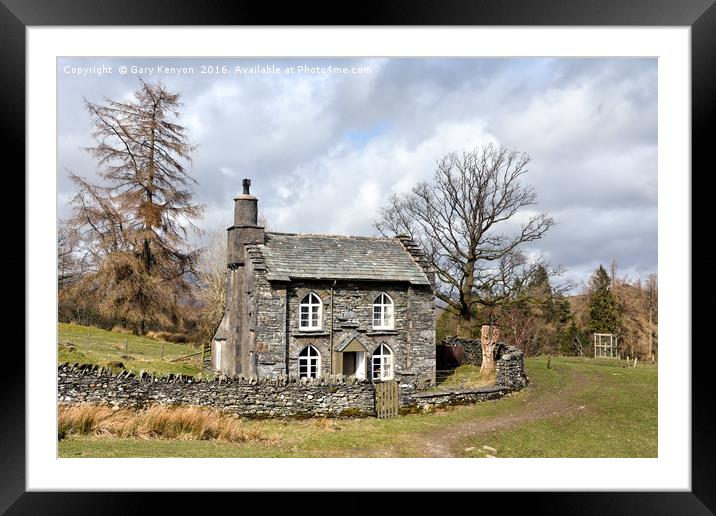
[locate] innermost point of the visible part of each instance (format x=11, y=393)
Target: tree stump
x=488, y=338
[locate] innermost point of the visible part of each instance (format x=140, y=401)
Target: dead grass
x=155, y=422
x=120, y=329
x=327, y=425
x=178, y=338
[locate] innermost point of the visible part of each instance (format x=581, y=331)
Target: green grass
x=618, y=420
x=614, y=414
x=465, y=376
x=96, y=346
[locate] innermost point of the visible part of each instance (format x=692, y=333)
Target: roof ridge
x=331, y=235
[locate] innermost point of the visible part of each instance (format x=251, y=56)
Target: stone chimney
x=245, y=229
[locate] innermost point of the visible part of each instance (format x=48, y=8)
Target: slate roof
x=222, y=332
x=289, y=256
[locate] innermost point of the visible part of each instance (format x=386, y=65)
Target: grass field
x=96, y=346
x=577, y=408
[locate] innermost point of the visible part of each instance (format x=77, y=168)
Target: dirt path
x=444, y=442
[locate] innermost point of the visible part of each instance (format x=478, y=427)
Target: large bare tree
x=135, y=222
x=463, y=220
x=71, y=261
x=652, y=308
x=211, y=275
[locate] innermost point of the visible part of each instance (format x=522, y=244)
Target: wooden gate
x=387, y=400
x=449, y=356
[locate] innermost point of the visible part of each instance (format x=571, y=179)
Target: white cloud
x=324, y=152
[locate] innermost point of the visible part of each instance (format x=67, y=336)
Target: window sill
x=377, y=331
x=310, y=333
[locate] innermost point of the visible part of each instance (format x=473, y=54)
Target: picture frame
x=16, y=16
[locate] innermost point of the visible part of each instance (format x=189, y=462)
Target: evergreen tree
x=603, y=310
x=135, y=224
x=573, y=341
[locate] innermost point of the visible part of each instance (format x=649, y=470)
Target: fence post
x=126, y=346
x=162, y=356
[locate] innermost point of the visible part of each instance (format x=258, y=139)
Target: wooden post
x=162, y=355
x=549, y=359
x=126, y=346
x=488, y=338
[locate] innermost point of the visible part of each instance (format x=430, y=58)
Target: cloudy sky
x=325, y=150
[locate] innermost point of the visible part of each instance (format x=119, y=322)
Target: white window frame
x=309, y=360
x=312, y=308
x=382, y=302
x=384, y=356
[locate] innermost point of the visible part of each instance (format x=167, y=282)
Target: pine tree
x=135, y=224
x=573, y=341
x=603, y=311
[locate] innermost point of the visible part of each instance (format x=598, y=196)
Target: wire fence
x=128, y=347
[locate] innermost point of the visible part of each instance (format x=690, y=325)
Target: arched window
x=310, y=312
x=383, y=312
x=309, y=363
x=382, y=363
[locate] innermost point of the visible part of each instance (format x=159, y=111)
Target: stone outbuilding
x=310, y=306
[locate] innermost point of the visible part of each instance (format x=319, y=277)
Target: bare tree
x=135, y=224
x=70, y=257
x=460, y=220
x=211, y=274
x=652, y=307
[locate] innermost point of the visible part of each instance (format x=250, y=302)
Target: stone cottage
x=309, y=306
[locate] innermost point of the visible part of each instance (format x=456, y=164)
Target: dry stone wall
x=510, y=368
x=509, y=361
x=280, y=397
x=431, y=399
x=261, y=398
x=472, y=350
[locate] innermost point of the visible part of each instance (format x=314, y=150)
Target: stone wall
x=472, y=350
x=281, y=397
x=254, y=399
x=434, y=399
x=509, y=361
x=510, y=368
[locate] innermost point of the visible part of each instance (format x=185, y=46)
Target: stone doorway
x=354, y=364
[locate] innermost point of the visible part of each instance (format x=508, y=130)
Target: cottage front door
x=354, y=364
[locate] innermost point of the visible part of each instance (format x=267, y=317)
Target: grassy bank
x=95, y=346
x=611, y=411
x=577, y=408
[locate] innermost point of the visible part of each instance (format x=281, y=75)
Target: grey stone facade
x=269, y=273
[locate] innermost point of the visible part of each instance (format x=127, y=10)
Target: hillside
x=90, y=345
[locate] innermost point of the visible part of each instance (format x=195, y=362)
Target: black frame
x=700, y=15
